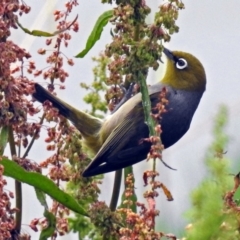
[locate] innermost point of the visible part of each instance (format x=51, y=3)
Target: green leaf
x=96, y=32
x=12, y=169
x=41, y=198
x=39, y=33
x=36, y=33
x=48, y=232
x=3, y=139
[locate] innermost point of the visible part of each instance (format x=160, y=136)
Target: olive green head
x=184, y=71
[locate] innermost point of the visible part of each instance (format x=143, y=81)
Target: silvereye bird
x=116, y=141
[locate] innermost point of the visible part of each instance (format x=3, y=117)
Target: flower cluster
x=165, y=20
x=55, y=71
x=137, y=46
x=139, y=225
x=62, y=226
x=14, y=103
x=7, y=222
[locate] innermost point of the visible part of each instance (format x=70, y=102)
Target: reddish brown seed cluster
x=7, y=222
x=157, y=111
x=55, y=59
x=62, y=226
x=16, y=106
x=140, y=225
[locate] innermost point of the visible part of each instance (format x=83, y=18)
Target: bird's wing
x=122, y=147
x=125, y=145
x=115, y=140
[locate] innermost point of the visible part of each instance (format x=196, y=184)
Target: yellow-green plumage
x=192, y=78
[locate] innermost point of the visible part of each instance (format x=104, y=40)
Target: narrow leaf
x=3, y=139
x=41, y=198
x=12, y=169
x=96, y=32
x=39, y=33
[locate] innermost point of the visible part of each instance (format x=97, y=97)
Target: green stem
x=141, y=76
x=18, y=185
x=147, y=107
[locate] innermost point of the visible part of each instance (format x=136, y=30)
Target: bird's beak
x=168, y=54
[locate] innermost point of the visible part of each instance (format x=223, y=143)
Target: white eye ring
x=181, y=63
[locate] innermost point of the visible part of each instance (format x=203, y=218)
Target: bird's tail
x=88, y=125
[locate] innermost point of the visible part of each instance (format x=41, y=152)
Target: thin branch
x=18, y=185
x=33, y=138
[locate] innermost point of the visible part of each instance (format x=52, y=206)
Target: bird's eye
x=181, y=63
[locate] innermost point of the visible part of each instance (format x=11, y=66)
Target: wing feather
x=122, y=147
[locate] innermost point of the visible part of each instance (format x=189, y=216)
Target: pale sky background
x=209, y=30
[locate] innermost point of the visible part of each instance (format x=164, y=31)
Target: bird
x=116, y=140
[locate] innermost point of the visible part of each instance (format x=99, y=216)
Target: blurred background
x=209, y=30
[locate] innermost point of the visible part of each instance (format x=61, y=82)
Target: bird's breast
x=180, y=110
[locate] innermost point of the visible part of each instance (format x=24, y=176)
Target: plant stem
x=147, y=108
x=34, y=137
x=18, y=185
